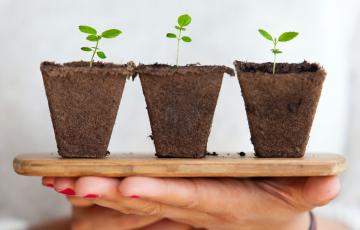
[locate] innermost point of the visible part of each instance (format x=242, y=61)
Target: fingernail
x=49, y=185
x=67, y=191
x=91, y=196
x=135, y=197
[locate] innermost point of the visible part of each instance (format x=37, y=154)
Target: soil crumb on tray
x=212, y=154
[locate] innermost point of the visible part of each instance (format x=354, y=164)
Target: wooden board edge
x=26, y=168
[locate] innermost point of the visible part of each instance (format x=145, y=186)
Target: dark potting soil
x=281, y=107
x=170, y=70
x=281, y=68
x=181, y=102
x=83, y=103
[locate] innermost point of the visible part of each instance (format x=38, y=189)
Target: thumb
x=319, y=191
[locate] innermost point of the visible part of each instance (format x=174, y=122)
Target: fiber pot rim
x=167, y=70
x=127, y=69
x=265, y=69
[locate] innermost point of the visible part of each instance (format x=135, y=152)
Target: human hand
x=222, y=203
x=97, y=217
x=86, y=215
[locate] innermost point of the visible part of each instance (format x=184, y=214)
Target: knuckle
x=191, y=204
x=126, y=211
x=194, y=199
x=152, y=209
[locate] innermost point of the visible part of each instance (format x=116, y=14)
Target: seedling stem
x=183, y=21
x=93, y=55
x=178, y=48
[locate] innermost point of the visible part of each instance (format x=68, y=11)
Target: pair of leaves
x=180, y=28
x=100, y=54
x=284, y=37
x=183, y=20
x=184, y=38
x=111, y=33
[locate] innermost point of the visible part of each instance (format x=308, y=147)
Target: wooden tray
x=223, y=165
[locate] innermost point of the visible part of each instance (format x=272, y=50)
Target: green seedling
x=284, y=37
x=183, y=21
x=93, y=36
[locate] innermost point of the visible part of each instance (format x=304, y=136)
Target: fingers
x=207, y=195
x=86, y=187
x=197, y=194
x=321, y=190
x=65, y=186
x=101, y=191
x=96, y=187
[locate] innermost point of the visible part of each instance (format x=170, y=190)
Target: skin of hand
x=221, y=203
x=97, y=217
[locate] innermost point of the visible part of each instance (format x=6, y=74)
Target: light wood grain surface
x=137, y=164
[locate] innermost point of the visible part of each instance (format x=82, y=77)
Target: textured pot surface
x=83, y=103
x=181, y=102
x=280, y=108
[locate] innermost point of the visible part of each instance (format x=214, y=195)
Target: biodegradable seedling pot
x=83, y=103
x=280, y=108
x=181, y=102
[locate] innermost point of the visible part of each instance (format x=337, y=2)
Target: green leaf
x=170, y=35
x=180, y=28
x=112, y=33
x=93, y=38
x=265, y=34
x=276, y=51
x=101, y=55
x=287, y=36
x=87, y=49
x=184, y=20
x=186, y=39
x=87, y=30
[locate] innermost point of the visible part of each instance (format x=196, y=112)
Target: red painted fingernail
x=135, y=197
x=68, y=192
x=49, y=185
x=91, y=196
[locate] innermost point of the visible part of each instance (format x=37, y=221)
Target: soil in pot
x=280, y=108
x=181, y=102
x=83, y=103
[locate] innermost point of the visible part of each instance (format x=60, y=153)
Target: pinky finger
x=48, y=182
